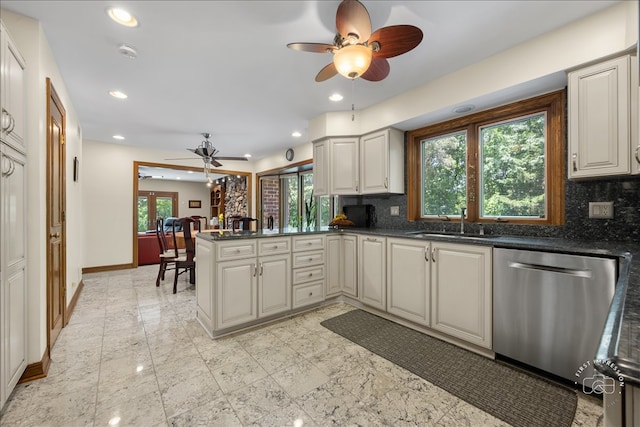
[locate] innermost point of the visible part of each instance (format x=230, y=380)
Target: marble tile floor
x=134, y=355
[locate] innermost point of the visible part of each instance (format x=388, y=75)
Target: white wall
x=186, y=191
x=40, y=64
x=107, y=178
x=540, y=60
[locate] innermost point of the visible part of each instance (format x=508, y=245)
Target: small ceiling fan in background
x=356, y=51
x=208, y=153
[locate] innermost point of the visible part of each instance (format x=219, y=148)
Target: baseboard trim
x=99, y=269
x=36, y=370
x=73, y=303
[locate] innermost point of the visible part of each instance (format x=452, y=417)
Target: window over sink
x=505, y=164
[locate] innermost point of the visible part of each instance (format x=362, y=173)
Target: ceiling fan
x=208, y=152
x=356, y=51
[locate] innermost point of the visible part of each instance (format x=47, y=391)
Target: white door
x=408, y=279
x=236, y=287
x=274, y=285
x=349, y=266
x=372, y=274
x=344, y=165
x=334, y=273
x=374, y=163
x=461, y=299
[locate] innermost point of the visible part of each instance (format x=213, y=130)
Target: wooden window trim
x=553, y=103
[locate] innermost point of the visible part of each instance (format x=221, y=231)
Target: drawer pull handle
x=638, y=154
x=309, y=243
x=310, y=274
x=237, y=251
x=310, y=259
x=575, y=166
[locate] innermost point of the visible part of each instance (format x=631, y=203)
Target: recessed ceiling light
x=296, y=134
x=118, y=137
x=122, y=17
x=463, y=108
x=177, y=177
x=336, y=97
x=128, y=51
x=247, y=155
x=118, y=94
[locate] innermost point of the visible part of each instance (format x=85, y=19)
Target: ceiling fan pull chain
x=353, y=100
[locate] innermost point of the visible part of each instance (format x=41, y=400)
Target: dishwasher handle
x=551, y=269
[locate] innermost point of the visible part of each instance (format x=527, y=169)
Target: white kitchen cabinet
x=344, y=167
x=13, y=212
x=274, y=285
x=372, y=289
x=12, y=92
x=342, y=267
x=237, y=292
x=603, y=119
x=308, y=269
x=321, y=168
x=408, y=277
x=382, y=162
x=461, y=299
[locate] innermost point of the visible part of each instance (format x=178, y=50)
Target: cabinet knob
x=310, y=259
x=310, y=294
x=310, y=274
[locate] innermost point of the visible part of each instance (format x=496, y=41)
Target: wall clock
x=289, y=154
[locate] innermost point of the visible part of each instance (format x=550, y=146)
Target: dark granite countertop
x=619, y=352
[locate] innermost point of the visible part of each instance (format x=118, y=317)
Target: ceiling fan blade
x=231, y=158
x=326, y=73
x=183, y=158
x=396, y=40
x=193, y=150
x=353, y=18
x=215, y=163
x=312, y=47
x=378, y=70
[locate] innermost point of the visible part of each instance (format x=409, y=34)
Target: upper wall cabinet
x=603, y=119
x=370, y=164
x=12, y=92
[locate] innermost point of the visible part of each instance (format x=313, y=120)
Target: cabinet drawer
x=236, y=249
x=303, y=275
x=308, y=243
x=308, y=294
x=273, y=246
x=306, y=259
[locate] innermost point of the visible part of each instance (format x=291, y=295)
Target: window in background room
x=153, y=205
x=290, y=197
x=503, y=165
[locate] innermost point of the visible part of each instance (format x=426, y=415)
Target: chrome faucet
x=462, y=211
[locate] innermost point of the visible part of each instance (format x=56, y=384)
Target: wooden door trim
x=52, y=97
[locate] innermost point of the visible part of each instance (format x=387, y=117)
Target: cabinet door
x=344, y=165
x=374, y=163
x=334, y=256
x=274, y=285
x=321, y=168
x=461, y=292
x=13, y=93
x=599, y=122
x=15, y=321
x=349, y=266
x=372, y=271
x=408, y=279
x=236, y=298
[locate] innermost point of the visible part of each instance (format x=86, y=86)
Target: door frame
x=53, y=98
x=136, y=164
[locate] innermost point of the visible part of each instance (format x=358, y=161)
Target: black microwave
x=361, y=215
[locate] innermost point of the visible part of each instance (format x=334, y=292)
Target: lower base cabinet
x=372, y=275
x=274, y=285
x=342, y=265
x=408, y=275
x=461, y=300
x=237, y=292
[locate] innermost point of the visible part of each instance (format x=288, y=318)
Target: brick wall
x=270, y=200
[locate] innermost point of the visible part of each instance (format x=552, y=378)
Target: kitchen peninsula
x=248, y=278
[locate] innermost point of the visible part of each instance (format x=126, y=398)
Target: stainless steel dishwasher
x=549, y=309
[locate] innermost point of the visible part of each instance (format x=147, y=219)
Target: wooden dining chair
x=185, y=261
x=167, y=256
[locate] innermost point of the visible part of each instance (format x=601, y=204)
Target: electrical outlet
x=395, y=210
x=602, y=210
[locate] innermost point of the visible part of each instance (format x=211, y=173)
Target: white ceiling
x=223, y=66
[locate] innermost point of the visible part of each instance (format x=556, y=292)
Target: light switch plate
x=602, y=210
x=395, y=210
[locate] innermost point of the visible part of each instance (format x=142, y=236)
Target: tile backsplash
x=623, y=192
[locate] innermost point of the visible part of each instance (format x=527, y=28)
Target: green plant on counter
x=310, y=212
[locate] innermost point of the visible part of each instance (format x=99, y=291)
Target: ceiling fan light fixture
x=353, y=60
